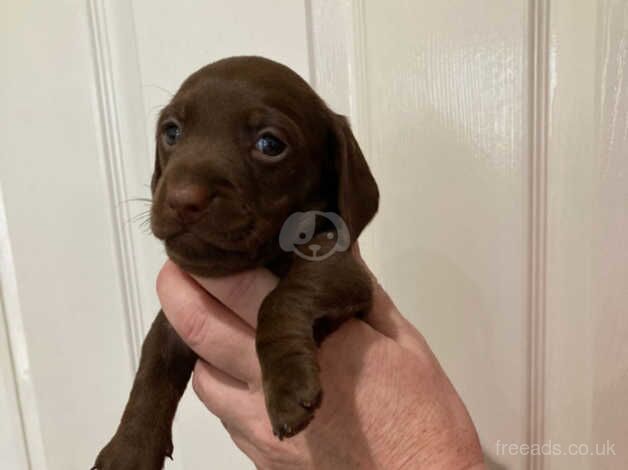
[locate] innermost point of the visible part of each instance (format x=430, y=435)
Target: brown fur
x=219, y=209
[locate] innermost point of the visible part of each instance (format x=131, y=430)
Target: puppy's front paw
x=126, y=453
x=293, y=392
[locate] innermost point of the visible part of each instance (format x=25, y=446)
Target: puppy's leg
x=314, y=294
x=143, y=438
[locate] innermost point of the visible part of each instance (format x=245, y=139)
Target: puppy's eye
x=171, y=133
x=270, y=145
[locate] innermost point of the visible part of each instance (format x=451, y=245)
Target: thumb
x=385, y=318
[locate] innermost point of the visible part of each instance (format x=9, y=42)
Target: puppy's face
x=244, y=143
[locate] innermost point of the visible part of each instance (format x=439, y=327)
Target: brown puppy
x=252, y=169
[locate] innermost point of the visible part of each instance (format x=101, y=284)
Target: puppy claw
x=298, y=422
x=284, y=431
x=312, y=404
x=292, y=397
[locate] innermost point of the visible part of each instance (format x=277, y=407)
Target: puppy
x=252, y=169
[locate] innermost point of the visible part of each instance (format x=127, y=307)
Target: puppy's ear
x=358, y=196
x=156, y=173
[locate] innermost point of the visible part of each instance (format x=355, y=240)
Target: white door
x=498, y=133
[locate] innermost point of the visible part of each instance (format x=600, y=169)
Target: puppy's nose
x=189, y=201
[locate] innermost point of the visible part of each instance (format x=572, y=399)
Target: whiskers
x=159, y=87
x=142, y=219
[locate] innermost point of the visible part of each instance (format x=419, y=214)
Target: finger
x=226, y=397
x=208, y=327
x=242, y=293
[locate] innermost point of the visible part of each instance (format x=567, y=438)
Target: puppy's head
x=243, y=144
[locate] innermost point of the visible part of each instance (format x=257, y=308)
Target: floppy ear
x=358, y=196
x=156, y=173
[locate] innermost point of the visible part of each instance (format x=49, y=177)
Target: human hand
x=387, y=403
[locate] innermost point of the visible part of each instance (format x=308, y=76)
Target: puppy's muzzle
x=188, y=201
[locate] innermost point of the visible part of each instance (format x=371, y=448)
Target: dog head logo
x=299, y=229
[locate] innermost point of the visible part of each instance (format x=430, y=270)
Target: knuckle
x=193, y=324
x=198, y=382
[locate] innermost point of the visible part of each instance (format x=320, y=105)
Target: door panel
x=12, y=444
x=59, y=229
x=448, y=138
x=587, y=326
